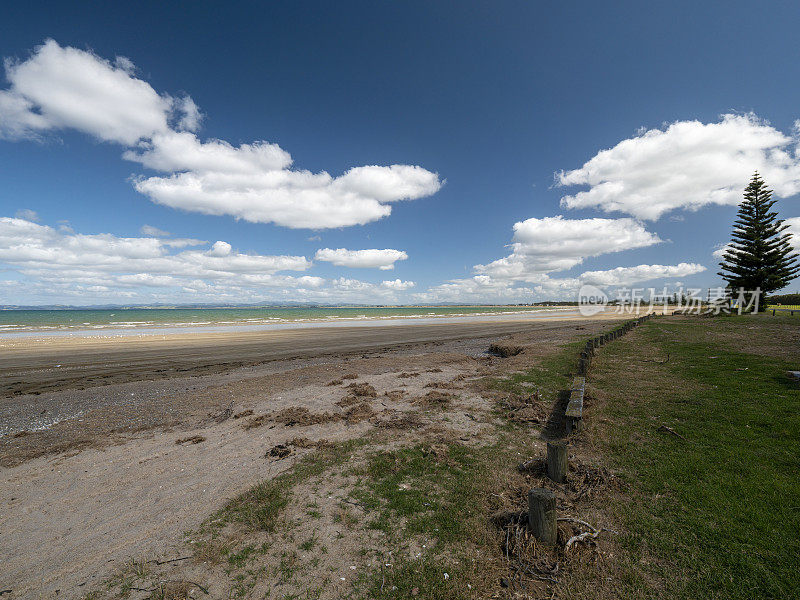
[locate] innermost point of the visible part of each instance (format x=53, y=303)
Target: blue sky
x=420, y=132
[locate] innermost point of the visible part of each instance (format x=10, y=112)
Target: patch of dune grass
x=433, y=503
x=552, y=374
x=260, y=507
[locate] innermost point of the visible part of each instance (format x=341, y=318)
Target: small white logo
x=591, y=300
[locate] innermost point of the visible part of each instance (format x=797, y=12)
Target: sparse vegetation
x=505, y=350
x=260, y=507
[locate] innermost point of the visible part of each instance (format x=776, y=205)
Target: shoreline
x=29, y=339
x=132, y=328
x=31, y=366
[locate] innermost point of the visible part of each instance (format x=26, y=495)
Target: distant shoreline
x=138, y=322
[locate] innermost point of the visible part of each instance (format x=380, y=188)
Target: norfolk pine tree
x=760, y=254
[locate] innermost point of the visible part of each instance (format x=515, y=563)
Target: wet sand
x=37, y=365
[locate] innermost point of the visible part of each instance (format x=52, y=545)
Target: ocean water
x=16, y=322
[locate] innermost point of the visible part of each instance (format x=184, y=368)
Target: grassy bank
x=703, y=419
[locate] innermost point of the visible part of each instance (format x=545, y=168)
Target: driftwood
x=658, y=362
x=586, y=535
x=161, y=585
x=672, y=431
x=171, y=560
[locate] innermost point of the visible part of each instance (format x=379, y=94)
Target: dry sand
x=109, y=483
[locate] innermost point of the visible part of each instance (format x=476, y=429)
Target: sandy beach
x=112, y=448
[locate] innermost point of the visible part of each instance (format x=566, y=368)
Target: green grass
x=261, y=506
x=240, y=559
x=436, y=498
x=551, y=375
x=309, y=544
x=715, y=515
x=428, y=493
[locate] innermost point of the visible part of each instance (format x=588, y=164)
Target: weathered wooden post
x=582, y=367
x=557, y=461
x=542, y=515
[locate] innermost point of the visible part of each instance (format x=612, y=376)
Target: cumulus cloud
x=191, y=115
x=794, y=230
x=103, y=259
x=486, y=289
x=58, y=88
x=542, y=247
x=557, y=244
x=254, y=182
x=49, y=264
x=27, y=214
x=361, y=259
x=639, y=274
x=150, y=231
x=66, y=88
x=398, y=284
x=686, y=165
x=721, y=250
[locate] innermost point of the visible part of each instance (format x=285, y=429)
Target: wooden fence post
x=542, y=515
x=582, y=367
x=557, y=461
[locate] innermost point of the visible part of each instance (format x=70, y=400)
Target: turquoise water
x=19, y=321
